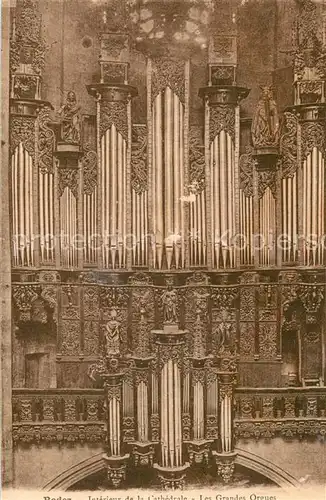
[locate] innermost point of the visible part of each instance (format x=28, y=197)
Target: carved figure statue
x=69, y=115
x=112, y=335
x=265, y=127
x=169, y=300
x=222, y=336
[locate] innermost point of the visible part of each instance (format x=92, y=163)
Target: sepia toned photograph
x=163, y=249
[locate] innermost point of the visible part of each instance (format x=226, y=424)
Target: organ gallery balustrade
x=74, y=415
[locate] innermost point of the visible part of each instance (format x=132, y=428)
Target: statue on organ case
x=112, y=335
x=69, y=115
x=169, y=300
x=265, y=127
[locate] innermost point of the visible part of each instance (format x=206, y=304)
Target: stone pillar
x=5, y=279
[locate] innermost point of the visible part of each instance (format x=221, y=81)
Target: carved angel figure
x=265, y=127
x=112, y=335
x=69, y=115
x=169, y=299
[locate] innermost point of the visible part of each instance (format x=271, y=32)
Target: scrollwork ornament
x=222, y=117
x=139, y=173
x=68, y=178
x=266, y=179
x=311, y=297
x=22, y=130
x=46, y=141
x=224, y=297
x=313, y=136
x=196, y=160
x=114, y=113
x=89, y=169
x=247, y=164
x=288, y=145
x=168, y=73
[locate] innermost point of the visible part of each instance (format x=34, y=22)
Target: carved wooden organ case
x=126, y=266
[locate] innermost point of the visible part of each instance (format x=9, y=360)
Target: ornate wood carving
x=89, y=163
x=222, y=117
x=114, y=112
x=312, y=136
x=22, y=130
x=139, y=167
x=168, y=73
x=288, y=145
x=247, y=165
x=196, y=160
x=46, y=141
x=68, y=178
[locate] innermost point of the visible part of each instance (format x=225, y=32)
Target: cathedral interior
x=163, y=213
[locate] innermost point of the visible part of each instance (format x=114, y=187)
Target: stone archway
x=247, y=460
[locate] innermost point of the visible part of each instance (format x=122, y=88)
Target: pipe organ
x=172, y=258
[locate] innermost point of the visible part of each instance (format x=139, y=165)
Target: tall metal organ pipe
x=171, y=430
x=114, y=189
x=222, y=167
x=22, y=207
x=168, y=171
x=313, y=208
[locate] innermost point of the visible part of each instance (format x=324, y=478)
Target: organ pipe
x=222, y=166
x=168, y=171
x=22, y=207
x=171, y=429
x=142, y=412
x=313, y=206
x=68, y=227
x=114, y=189
x=198, y=419
x=90, y=226
x=290, y=218
x=267, y=220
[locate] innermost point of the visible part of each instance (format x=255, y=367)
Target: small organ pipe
x=182, y=183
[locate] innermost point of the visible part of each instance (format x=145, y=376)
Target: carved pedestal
x=225, y=463
x=199, y=451
x=172, y=478
x=116, y=470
